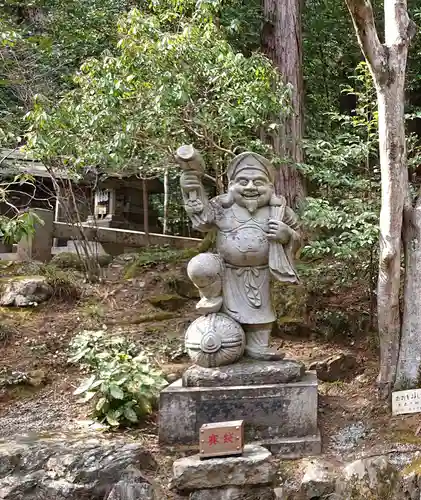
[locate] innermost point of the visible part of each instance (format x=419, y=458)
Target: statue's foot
x=209, y=305
x=264, y=354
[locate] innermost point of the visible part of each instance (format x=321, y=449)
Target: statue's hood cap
x=247, y=160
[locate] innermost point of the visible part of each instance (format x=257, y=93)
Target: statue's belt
x=242, y=269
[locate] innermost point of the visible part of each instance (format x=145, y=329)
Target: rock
x=362, y=379
x=133, y=487
x=24, y=291
x=37, y=378
x=246, y=372
x=248, y=493
x=76, y=468
x=132, y=491
x=370, y=478
x=319, y=480
x=253, y=467
x=339, y=367
x=172, y=377
x=167, y=302
x=279, y=494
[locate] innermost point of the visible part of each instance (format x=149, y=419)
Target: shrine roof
x=15, y=161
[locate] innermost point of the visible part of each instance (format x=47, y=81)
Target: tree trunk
x=409, y=365
x=282, y=43
x=387, y=63
x=393, y=189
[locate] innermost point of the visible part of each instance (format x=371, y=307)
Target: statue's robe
x=249, y=258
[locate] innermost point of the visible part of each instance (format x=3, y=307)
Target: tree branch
x=399, y=28
x=363, y=18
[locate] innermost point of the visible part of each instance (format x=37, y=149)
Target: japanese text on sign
x=222, y=439
x=406, y=402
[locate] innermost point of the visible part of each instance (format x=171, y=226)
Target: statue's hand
x=189, y=181
x=278, y=231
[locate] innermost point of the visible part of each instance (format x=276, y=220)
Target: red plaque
x=221, y=439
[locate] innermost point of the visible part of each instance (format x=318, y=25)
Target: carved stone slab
x=282, y=417
x=244, y=373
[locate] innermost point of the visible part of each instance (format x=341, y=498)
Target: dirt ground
x=351, y=417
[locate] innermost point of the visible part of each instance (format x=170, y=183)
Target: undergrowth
x=154, y=255
x=123, y=385
x=65, y=284
x=70, y=260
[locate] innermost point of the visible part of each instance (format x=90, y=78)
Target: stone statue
x=257, y=239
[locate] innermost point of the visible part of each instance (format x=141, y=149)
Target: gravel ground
x=45, y=412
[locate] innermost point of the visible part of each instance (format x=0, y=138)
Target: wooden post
x=38, y=247
x=145, y=210
x=56, y=214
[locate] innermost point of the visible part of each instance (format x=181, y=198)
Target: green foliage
x=13, y=229
x=123, y=385
x=14, y=225
x=164, y=87
x=330, y=52
x=342, y=220
x=42, y=43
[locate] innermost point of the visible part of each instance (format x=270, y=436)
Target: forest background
x=112, y=85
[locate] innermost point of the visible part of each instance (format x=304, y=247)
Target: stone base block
x=282, y=417
x=253, y=467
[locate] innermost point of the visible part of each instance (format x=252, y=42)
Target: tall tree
x=387, y=62
x=282, y=42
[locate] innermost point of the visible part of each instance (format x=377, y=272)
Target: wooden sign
x=406, y=402
x=221, y=439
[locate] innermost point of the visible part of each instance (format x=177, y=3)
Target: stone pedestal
x=280, y=416
x=38, y=245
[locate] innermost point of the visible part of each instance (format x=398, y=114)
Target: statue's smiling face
x=251, y=188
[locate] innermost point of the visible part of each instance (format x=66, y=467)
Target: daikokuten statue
x=257, y=239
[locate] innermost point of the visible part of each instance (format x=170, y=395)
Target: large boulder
x=373, y=478
x=24, y=291
x=76, y=468
x=319, y=479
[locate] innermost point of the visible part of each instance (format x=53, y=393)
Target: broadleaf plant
x=123, y=384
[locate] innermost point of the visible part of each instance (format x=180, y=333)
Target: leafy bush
x=123, y=384
x=64, y=283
